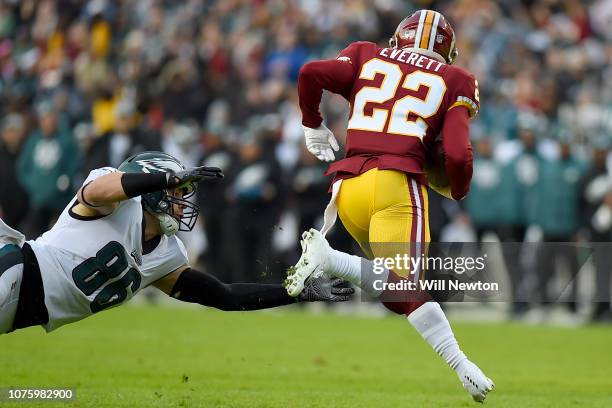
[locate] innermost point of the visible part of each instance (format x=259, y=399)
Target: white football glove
x=321, y=143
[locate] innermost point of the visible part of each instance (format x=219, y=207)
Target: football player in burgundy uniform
x=402, y=99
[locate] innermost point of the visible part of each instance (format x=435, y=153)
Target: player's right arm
x=101, y=195
x=334, y=75
x=337, y=76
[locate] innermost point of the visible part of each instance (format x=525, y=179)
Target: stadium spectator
x=484, y=201
x=602, y=223
x=255, y=196
x=596, y=200
x=518, y=199
x=526, y=173
x=13, y=199
x=46, y=165
x=308, y=186
x=213, y=202
x=558, y=214
x=123, y=141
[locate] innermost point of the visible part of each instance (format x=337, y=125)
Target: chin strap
x=168, y=224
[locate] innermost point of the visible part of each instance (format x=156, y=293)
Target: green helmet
x=161, y=204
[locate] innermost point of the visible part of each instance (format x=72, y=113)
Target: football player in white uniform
x=117, y=237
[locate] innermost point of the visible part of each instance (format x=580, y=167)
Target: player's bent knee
x=401, y=298
x=405, y=308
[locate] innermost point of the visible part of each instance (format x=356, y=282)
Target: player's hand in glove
x=324, y=288
x=193, y=175
x=321, y=142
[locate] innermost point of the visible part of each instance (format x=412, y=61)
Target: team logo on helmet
x=409, y=35
x=157, y=164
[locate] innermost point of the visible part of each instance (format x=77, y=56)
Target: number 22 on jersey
x=399, y=124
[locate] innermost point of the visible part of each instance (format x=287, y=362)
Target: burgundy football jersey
x=397, y=106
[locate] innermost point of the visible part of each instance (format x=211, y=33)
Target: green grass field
x=147, y=356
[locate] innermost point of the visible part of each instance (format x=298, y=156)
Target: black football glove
x=193, y=175
x=326, y=289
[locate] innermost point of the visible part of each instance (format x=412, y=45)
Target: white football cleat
x=315, y=250
x=474, y=381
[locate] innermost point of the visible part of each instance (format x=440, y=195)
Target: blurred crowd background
x=85, y=84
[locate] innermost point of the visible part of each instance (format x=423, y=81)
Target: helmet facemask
x=393, y=42
x=171, y=208
x=164, y=206
x=454, y=51
x=165, y=210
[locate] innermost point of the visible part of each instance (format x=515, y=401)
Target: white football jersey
x=89, y=265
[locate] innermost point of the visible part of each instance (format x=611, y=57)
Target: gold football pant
x=386, y=212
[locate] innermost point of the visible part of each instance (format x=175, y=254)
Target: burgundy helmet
x=426, y=32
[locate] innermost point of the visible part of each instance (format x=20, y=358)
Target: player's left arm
x=193, y=286
x=459, y=159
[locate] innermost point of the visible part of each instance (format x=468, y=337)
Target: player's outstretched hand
x=327, y=289
x=321, y=142
x=194, y=175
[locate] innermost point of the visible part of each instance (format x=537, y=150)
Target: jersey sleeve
x=334, y=75
x=167, y=257
x=96, y=173
x=466, y=93
x=351, y=53
x=458, y=155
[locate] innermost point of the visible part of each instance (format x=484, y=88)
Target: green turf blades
x=246, y=359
